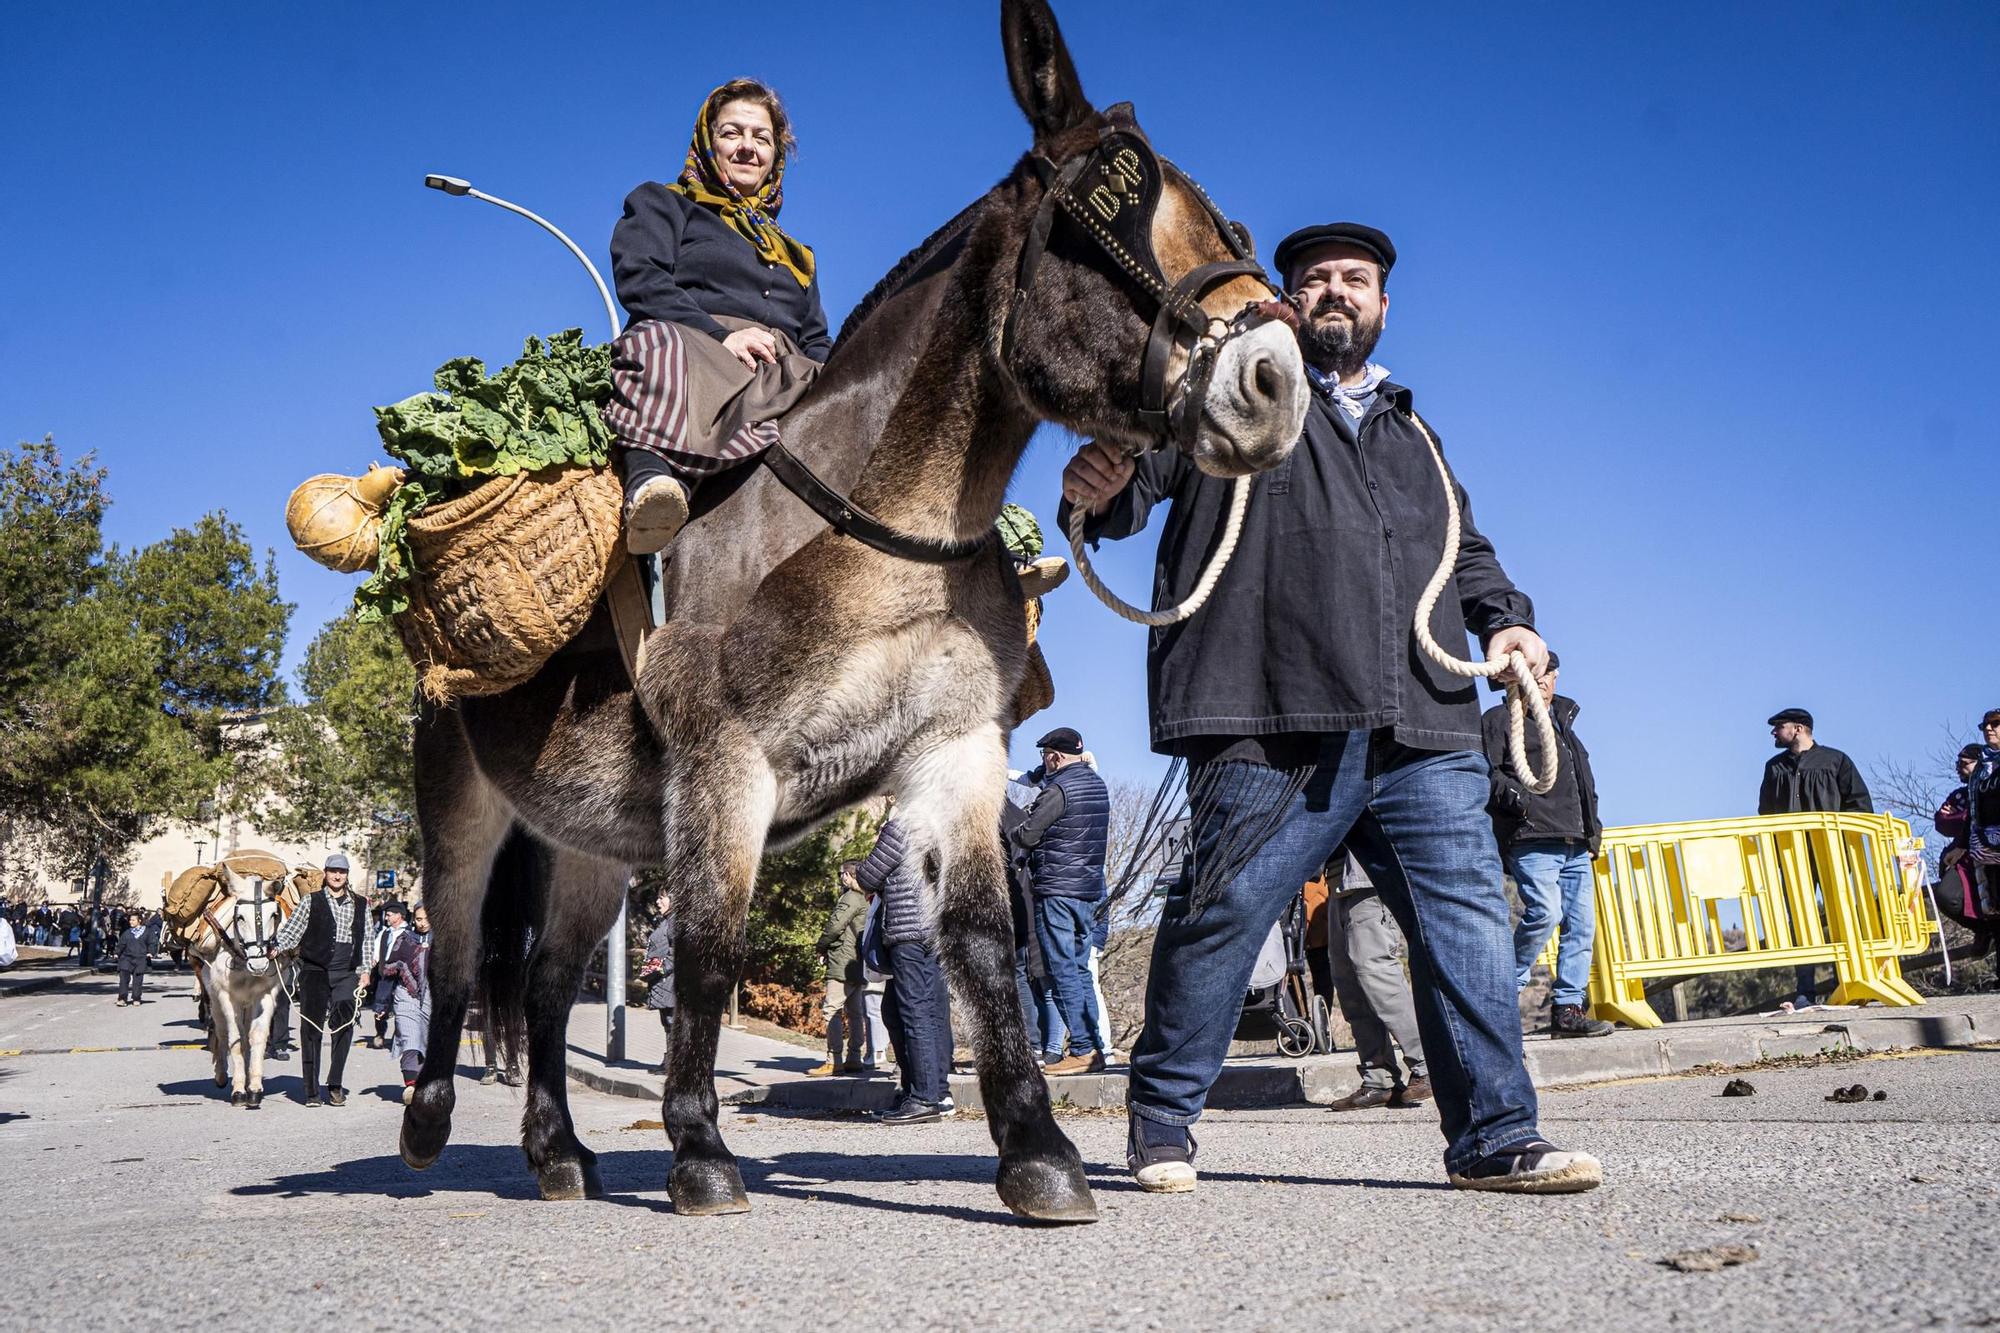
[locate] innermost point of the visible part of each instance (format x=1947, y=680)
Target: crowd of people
x=86, y=932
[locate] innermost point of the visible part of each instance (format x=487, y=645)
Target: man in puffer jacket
x=917, y=1007
x=1066, y=833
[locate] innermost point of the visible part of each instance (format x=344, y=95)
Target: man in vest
x=1065, y=835
x=328, y=931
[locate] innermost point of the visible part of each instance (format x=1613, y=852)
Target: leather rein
x=1111, y=193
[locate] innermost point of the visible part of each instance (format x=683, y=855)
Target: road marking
x=104, y=1050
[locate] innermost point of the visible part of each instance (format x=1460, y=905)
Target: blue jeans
x=1417, y=822
x=1063, y=926
x=1553, y=875
x=916, y=1009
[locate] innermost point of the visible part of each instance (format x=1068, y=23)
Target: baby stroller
x=1279, y=1004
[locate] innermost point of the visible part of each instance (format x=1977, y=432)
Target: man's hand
x=1519, y=639
x=1095, y=477
x=751, y=346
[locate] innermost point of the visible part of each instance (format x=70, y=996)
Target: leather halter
x=1111, y=193
x=253, y=955
x=851, y=519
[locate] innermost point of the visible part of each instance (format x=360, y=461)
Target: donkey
x=232, y=941
x=802, y=670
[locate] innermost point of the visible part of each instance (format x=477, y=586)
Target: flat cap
x=1063, y=740
x=338, y=861
x=1798, y=715
x=1323, y=233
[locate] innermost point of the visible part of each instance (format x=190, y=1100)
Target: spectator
x=8, y=951
x=378, y=994
x=917, y=1007
x=1065, y=835
x=845, y=1008
x=132, y=960
x=1983, y=804
x=1958, y=889
x=1548, y=842
x=1805, y=775
x=329, y=931
x=1031, y=978
x=656, y=973
x=881, y=1055
x=1367, y=976
x=404, y=973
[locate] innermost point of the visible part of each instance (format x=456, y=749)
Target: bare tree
x=1914, y=788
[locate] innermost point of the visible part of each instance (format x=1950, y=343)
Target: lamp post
x=614, y=947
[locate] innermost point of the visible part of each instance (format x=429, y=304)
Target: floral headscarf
x=754, y=219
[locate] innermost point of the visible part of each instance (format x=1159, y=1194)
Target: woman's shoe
x=655, y=513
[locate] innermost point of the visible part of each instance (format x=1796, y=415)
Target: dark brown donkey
x=802, y=671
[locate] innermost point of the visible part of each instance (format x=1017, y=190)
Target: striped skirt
x=682, y=397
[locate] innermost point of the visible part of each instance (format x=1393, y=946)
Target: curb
x=28, y=983
x=1318, y=1080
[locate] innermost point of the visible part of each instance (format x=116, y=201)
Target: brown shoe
x=1077, y=1064
x=1364, y=1098
x=1414, y=1093
x=820, y=1070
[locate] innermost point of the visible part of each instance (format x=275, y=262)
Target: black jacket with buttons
x=1309, y=628
x=676, y=260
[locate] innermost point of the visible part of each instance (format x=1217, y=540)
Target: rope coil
x=1523, y=697
x=1522, y=693
x=1232, y=532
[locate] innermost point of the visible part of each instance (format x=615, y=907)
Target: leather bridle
x=253, y=955
x=1111, y=194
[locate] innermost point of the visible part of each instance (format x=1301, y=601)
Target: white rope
x=1232, y=531
x=1521, y=691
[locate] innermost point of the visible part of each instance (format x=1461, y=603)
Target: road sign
x=385, y=879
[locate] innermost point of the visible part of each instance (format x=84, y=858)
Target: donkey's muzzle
x=1256, y=403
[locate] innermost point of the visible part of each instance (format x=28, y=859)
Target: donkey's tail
x=508, y=925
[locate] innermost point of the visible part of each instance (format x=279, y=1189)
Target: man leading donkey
x=1308, y=718
x=328, y=931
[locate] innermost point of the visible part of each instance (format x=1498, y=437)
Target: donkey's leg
x=951, y=806
x=464, y=823
x=230, y=1023
x=260, y=1034
x=718, y=812
x=218, y=1054
x=583, y=894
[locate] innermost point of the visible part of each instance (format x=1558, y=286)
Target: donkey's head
x=1134, y=315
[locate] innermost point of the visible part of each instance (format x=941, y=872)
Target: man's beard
x=1338, y=349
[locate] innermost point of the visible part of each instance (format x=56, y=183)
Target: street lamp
x=614, y=947
x=454, y=185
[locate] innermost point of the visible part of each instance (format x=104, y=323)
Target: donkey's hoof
x=707, y=1189
x=1046, y=1189
x=569, y=1178
x=255, y=1101
x=421, y=1142
x=236, y=1099
x=222, y=1080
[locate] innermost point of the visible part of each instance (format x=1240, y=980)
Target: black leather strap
x=852, y=520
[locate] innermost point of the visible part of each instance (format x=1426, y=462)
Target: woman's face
x=746, y=144
x=423, y=920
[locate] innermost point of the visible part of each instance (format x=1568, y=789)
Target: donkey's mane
x=893, y=281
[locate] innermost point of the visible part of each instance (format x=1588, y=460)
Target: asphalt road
x=134, y=1197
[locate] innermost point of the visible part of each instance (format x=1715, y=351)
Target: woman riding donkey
x=727, y=330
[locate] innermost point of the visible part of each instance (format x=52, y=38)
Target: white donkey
x=234, y=939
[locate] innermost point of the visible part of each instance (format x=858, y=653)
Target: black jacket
x=676, y=260
x=1309, y=628
x=1566, y=810
x=1820, y=779
x=132, y=950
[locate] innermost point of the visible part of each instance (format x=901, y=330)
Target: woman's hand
x=751, y=346
x=1095, y=476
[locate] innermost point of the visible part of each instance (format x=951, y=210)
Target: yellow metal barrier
x=1720, y=895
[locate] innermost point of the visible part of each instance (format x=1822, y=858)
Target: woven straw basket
x=507, y=574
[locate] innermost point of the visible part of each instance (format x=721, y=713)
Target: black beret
x=1347, y=233
x=1555, y=663
x=1798, y=715
x=1063, y=740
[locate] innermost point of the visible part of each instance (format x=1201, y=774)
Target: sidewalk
x=747, y=1065
x=771, y=1073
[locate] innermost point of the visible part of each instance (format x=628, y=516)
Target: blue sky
x=1699, y=297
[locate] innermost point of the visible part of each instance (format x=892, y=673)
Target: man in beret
x=1805, y=775
x=1308, y=718
x=1065, y=835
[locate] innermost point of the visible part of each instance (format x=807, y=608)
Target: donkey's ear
x=1039, y=67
